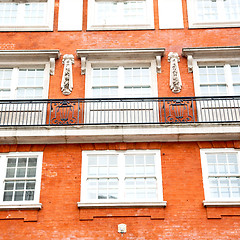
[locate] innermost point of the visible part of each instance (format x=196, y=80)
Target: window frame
x=33, y=204
x=47, y=26
x=207, y=56
x=85, y=202
x=91, y=25
x=14, y=80
x=122, y=63
x=193, y=23
x=27, y=59
x=227, y=73
x=211, y=202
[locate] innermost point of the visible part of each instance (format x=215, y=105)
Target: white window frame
x=120, y=202
x=14, y=80
x=211, y=56
x=209, y=202
x=119, y=57
x=120, y=65
x=91, y=25
x=47, y=26
x=193, y=23
x=35, y=204
x=28, y=59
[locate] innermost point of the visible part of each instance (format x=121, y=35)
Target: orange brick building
x=119, y=119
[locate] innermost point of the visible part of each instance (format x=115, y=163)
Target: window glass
x=121, y=82
x=127, y=12
x=223, y=175
x=33, y=13
x=27, y=85
x=122, y=176
x=20, y=179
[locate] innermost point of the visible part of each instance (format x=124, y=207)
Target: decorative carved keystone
x=67, y=78
x=175, y=79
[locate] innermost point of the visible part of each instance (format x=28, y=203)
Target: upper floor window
x=104, y=14
x=20, y=177
x=221, y=175
x=216, y=73
x=214, y=13
x=124, y=74
x=216, y=70
x=22, y=83
x=217, y=80
x=26, y=16
x=121, y=81
x=121, y=177
x=27, y=77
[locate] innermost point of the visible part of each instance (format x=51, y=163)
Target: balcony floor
x=120, y=133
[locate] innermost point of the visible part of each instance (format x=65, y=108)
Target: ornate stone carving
x=175, y=79
x=67, y=78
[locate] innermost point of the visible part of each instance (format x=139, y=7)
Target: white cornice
x=140, y=53
x=116, y=133
x=29, y=53
x=120, y=54
x=27, y=57
x=232, y=51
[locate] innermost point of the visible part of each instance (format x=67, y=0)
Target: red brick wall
x=172, y=40
x=183, y=218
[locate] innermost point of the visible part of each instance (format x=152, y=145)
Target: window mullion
x=120, y=11
x=14, y=83
x=229, y=82
x=20, y=14
x=221, y=11
x=121, y=81
x=121, y=175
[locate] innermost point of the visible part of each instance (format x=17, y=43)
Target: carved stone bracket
x=52, y=66
x=190, y=63
x=83, y=65
x=67, y=78
x=158, y=64
x=175, y=79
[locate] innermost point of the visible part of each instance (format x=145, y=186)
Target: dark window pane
x=7, y=196
x=22, y=162
x=20, y=185
x=31, y=172
x=11, y=162
x=10, y=172
x=9, y=186
x=21, y=172
x=29, y=195
x=30, y=185
x=18, y=196
x=32, y=162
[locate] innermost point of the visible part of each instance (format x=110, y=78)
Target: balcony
x=64, y=112
x=120, y=120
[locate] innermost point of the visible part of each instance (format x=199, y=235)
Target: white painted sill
x=221, y=203
x=120, y=204
x=214, y=24
x=123, y=27
x=21, y=206
x=26, y=29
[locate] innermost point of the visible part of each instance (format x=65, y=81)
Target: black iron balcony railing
x=62, y=112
